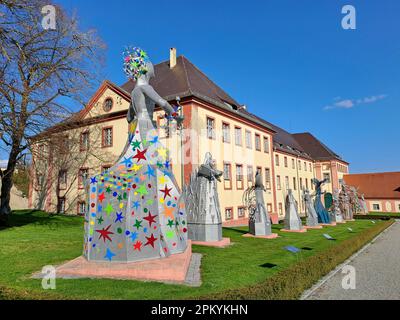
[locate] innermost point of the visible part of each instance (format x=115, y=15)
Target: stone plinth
x=171, y=269
x=271, y=236
x=219, y=244
x=313, y=227
x=332, y=224
x=295, y=231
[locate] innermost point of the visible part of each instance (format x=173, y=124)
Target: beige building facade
x=240, y=142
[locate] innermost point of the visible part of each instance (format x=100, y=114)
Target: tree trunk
x=6, y=185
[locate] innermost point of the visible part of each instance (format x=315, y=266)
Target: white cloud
x=351, y=103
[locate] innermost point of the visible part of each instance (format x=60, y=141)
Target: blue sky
x=290, y=62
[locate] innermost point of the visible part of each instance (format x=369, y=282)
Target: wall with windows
x=383, y=205
x=333, y=171
x=292, y=172
x=239, y=149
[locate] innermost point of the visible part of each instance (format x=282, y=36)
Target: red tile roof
x=376, y=185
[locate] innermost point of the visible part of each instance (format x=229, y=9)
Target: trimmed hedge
x=376, y=217
x=290, y=283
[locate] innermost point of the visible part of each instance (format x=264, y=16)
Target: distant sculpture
x=344, y=203
x=292, y=218
x=323, y=215
x=335, y=209
x=312, y=217
x=259, y=219
x=202, y=203
x=355, y=201
x=363, y=205
x=135, y=209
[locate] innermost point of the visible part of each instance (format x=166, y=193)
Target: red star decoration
x=104, y=233
x=101, y=197
x=138, y=246
x=166, y=191
x=150, y=219
x=150, y=240
x=140, y=155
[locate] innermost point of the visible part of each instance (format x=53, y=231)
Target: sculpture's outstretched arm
x=158, y=100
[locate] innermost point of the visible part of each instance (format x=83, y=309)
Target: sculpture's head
x=137, y=64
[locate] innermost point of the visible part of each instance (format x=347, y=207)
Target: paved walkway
x=377, y=269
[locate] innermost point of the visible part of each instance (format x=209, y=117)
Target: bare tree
x=41, y=70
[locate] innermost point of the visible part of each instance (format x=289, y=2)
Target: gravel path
x=377, y=269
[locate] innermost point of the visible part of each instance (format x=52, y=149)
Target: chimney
x=172, y=57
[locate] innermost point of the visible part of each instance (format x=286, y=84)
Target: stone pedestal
x=218, y=244
x=271, y=236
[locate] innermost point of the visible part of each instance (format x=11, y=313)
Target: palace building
x=241, y=142
x=381, y=190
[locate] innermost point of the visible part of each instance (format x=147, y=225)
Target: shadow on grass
x=237, y=230
x=35, y=217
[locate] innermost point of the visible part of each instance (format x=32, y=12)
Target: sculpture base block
x=172, y=269
x=351, y=220
x=271, y=236
x=218, y=244
x=298, y=231
x=313, y=227
x=341, y=222
x=332, y=224
x=205, y=232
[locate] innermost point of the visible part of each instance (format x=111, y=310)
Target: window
x=39, y=181
x=280, y=208
x=285, y=162
x=376, y=207
x=277, y=160
x=310, y=167
x=306, y=183
x=248, y=139
x=267, y=178
x=278, y=182
x=62, y=178
x=241, y=212
x=61, y=205
x=238, y=136
x=228, y=213
x=301, y=183
x=250, y=174
x=82, y=176
x=266, y=145
x=108, y=104
x=258, y=142
x=287, y=183
x=305, y=166
x=269, y=207
x=226, y=132
x=81, y=208
x=239, y=176
x=227, y=171
x=299, y=165
x=107, y=137
x=210, y=128
x=293, y=164
x=327, y=176
x=84, y=140
x=294, y=183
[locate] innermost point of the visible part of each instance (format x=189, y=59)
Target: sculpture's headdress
x=135, y=62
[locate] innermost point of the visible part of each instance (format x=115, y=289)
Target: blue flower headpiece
x=135, y=62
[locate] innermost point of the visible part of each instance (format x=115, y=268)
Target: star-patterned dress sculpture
x=136, y=211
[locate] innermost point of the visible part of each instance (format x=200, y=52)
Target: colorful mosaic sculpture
x=136, y=211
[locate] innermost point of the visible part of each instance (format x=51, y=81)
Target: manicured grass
x=37, y=239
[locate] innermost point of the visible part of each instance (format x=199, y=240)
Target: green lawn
x=37, y=239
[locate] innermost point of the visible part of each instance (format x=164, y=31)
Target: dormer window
x=108, y=104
